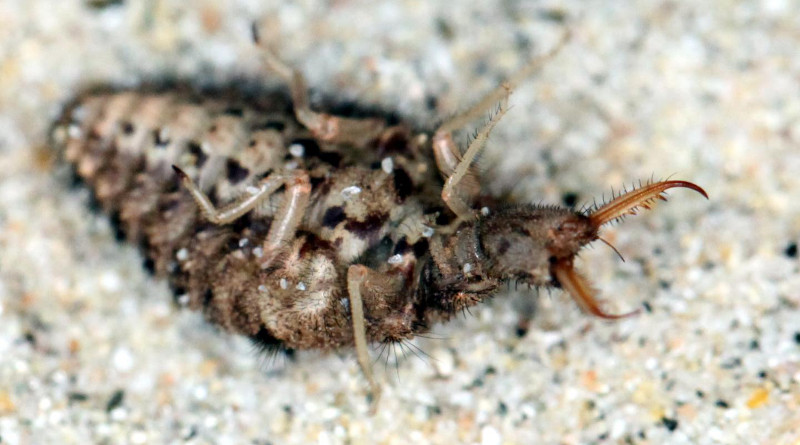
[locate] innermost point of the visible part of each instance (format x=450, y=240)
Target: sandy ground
x=93, y=351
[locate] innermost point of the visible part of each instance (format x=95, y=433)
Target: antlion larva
x=301, y=229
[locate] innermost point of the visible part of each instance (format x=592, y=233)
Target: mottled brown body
x=375, y=205
x=306, y=230
x=368, y=204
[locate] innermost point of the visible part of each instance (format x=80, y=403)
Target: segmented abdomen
x=363, y=208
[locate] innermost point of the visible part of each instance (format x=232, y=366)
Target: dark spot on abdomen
x=333, y=216
x=396, y=143
x=234, y=111
x=401, y=247
x=127, y=128
x=421, y=247
x=403, y=185
x=235, y=172
x=365, y=229
x=196, y=151
x=158, y=141
x=313, y=244
x=311, y=149
x=149, y=265
x=310, y=146
x=330, y=157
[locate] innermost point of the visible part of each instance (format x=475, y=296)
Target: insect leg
x=462, y=182
x=496, y=95
x=356, y=275
x=326, y=127
x=232, y=212
x=461, y=177
x=288, y=217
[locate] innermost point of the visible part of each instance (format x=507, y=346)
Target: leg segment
x=287, y=218
x=234, y=211
x=335, y=129
x=356, y=276
x=462, y=184
x=462, y=178
x=496, y=95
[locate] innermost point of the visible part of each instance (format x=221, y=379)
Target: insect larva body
x=306, y=230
